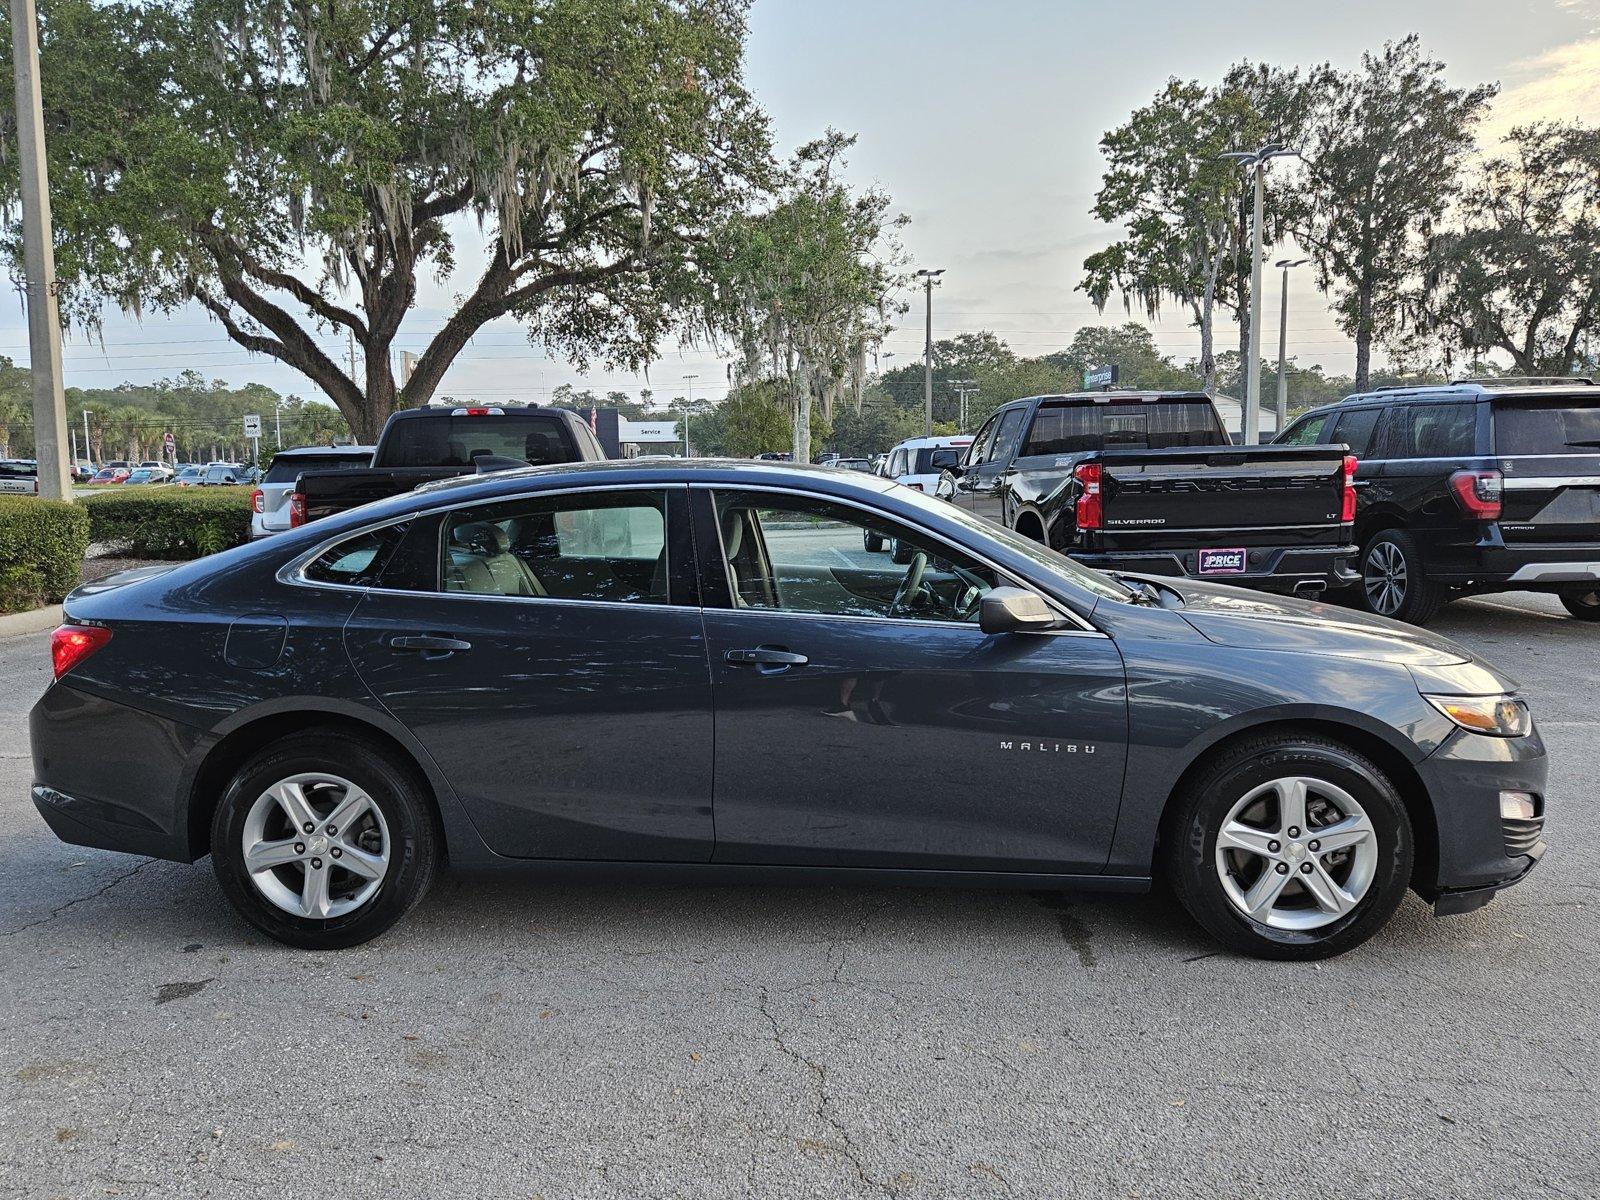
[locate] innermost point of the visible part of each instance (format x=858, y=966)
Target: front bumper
x=1284, y=569
x=1480, y=852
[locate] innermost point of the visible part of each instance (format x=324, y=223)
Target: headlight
x=1498, y=716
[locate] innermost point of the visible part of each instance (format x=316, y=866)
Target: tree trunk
x=801, y=408
x=1208, y=317
x=1242, y=262
x=1364, y=336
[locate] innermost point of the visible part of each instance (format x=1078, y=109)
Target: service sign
x=1100, y=377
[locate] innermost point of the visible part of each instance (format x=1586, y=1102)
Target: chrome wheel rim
x=1296, y=853
x=316, y=846
x=1384, y=574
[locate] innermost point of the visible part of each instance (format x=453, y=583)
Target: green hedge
x=169, y=522
x=42, y=544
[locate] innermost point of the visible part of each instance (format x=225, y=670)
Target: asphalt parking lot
x=526, y=1040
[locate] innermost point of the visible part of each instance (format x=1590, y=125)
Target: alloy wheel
x=1296, y=853
x=1384, y=576
x=316, y=846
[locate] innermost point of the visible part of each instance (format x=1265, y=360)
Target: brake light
x=1347, y=512
x=1091, y=512
x=71, y=644
x=297, y=510
x=477, y=412
x=257, y=503
x=916, y=487
x=1478, y=493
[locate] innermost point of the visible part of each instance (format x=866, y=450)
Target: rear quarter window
x=1432, y=431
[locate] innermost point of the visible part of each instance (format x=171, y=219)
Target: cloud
x=1562, y=84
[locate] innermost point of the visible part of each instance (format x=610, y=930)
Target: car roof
x=1509, y=388
x=937, y=443
x=307, y=451
x=663, y=471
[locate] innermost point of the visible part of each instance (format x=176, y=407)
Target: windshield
x=452, y=441
x=1559, y=425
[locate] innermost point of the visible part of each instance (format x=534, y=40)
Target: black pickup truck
x=1148, y=482
x=420, y=445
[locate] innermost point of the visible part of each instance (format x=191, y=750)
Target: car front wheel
x=322, y=842
x=1290, y=847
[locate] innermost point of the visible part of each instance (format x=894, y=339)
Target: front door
x=986, y=483
x=863, y=717
x=548, y=653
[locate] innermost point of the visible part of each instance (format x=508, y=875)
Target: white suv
x=916, y=462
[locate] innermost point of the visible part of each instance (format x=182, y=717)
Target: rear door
x=548, y=653
x=1549, y=455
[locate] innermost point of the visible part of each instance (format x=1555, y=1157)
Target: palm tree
x=12, y=414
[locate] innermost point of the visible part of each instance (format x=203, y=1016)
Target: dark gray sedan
x=697, y=669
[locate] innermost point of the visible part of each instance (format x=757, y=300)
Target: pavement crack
x=824, y=1105
x=94, y=895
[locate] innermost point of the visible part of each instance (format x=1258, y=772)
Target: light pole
x=1285, y=265
x=277, y=421
x=87, y=453
x=929, y=280
x=963, y=388
x=1258, y=159
x=687, y=405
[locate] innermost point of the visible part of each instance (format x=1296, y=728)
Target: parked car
x=425, y=445
x=189, y=475
x=83, y=472
x=19, y=476
x=111, y=474
x=270, y=500
x=918, y=462
x=1147, y=481
x=853, y=464
x=223, y=474
x=148, y=475
x=1478, y=486
x=155, y=463
x=650, y=666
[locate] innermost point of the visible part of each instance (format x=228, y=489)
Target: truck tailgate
x=1214, y=496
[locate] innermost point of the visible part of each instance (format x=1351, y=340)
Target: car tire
x=395, y=841
x=1392, y=581
x=872, y=541
x=1341, y=788
x=1583, y=605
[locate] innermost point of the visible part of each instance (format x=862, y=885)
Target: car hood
x=1249, y=620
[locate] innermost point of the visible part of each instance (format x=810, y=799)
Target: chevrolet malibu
x=697, y=670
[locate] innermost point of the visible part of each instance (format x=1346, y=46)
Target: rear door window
x=1432, y=431
x=1565, y=425
x=1355, y=429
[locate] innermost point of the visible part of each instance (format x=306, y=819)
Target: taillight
x=1348, y=511
x=257, y=502
x=1478, y=493
x=297, y=510
x=71, y=644
x=1091, y=513
x=916, y=487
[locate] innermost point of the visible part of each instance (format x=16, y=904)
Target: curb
x=37, y=621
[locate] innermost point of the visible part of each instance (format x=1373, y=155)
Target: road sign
x=171, y=443
x=1100, y=377
x=252, y=425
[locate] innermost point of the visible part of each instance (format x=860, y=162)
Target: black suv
x=1476, y=486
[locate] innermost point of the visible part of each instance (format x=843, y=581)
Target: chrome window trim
x=1528, y=482
x=1000, y=572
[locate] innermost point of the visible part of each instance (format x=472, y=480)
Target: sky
x=982, y=121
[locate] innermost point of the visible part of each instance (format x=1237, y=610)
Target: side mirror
x=1016, y=610
x=946, y=460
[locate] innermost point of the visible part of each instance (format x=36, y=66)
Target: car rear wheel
x=1392, y=579
x=872, y=542
x=322, y=842
x=1583, y=605
x=1290, y=847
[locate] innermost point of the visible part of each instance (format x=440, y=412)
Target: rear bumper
x=1285, y=569
x=1552, y=566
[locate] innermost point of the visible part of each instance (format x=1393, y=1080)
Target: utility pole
x=1285, y=265
x=929, y=280
x=88, y=448
x=39, y=261
x=1258, y=159
x=687, y=405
